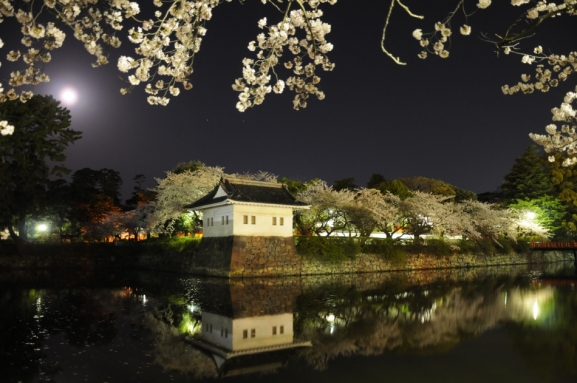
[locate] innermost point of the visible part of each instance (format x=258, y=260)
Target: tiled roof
x=241, y=190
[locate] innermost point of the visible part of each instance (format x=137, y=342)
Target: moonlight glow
x=69, y=96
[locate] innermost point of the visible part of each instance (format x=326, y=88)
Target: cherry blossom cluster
x=555, y=68
x=87, y=21
x=437, y=42
x=549, y=72
x=167, y=43
x=5, y=129
x=259, y=75
x=564, y=139
x=86, y=18
x=167, y=46
x=551, y=69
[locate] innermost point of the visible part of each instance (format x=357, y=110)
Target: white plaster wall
x=218, y=229
x=263, y=226
x=262, y=326
x=218, y=323
x=236, y=226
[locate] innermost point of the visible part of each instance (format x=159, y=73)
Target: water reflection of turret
x=254, y=332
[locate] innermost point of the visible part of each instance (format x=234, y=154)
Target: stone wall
x=366, y=263
x=236, y=256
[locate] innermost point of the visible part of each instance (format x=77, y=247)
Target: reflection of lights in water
x=143, y=299
x=535, y=310
x=331, y=319
x=427, y=315
x=505, y=298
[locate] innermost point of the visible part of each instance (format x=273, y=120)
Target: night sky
x=439, y=118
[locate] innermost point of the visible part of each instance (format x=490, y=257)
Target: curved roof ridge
x=244, y=181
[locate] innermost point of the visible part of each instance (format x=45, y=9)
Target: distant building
x=239, y=207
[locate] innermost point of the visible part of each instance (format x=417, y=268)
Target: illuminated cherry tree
x=175, y=191
x=329, y=211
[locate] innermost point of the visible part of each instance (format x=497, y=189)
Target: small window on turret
x=281, y=221
x=253, y=220
x=245, y=219
x=274, y=220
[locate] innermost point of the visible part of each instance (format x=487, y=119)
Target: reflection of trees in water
x=549, y=344
x=409, y=322
x=170, y=349
x=419, y=321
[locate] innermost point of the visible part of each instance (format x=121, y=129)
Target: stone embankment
x=232, y=257
x=366, y=263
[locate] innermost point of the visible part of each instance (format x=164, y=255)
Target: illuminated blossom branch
x=309, y=53
x=550, y=71
x=167, y=44
x=564, y=139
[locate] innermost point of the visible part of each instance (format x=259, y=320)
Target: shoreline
x=195, y=263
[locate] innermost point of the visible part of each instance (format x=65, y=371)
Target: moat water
x=514, y=324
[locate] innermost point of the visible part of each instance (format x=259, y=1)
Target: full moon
x=69, y=96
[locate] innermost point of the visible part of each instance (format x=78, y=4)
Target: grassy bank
x=339, y=249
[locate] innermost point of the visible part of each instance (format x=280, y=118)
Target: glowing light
x=331, y=318
x=42, y=227
x=535, y=310
x=69, y=96
x=530, y=215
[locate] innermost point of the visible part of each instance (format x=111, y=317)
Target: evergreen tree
x=375, y=180
x=29, y=157
x=191, y=166
x=564, y=181
x=345, y=184
x=395, y=187
x=527, y=179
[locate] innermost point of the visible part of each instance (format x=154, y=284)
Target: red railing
x=554, y=245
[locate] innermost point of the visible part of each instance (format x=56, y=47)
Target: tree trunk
x=17, y=240
x=22, y=229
